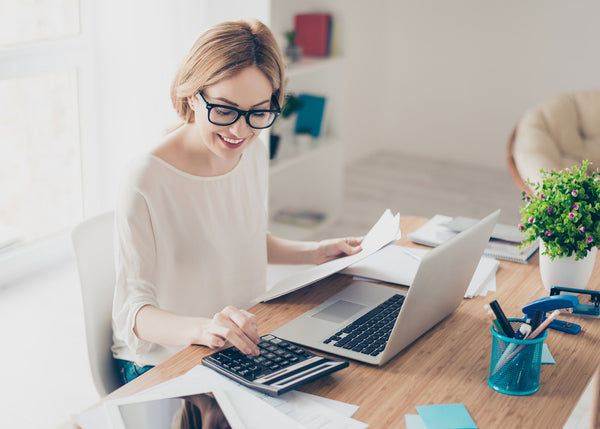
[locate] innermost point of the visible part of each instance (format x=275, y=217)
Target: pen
x=507, y=330
x=538, y=315
x=490, y=313
x=523, y=332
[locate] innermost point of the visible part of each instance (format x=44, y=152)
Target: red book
x=313, y=32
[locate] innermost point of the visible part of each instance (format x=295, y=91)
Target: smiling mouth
x=231, y=141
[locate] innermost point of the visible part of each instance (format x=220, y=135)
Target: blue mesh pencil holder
x=515, y=364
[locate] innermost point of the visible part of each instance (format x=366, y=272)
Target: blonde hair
x=221, y=52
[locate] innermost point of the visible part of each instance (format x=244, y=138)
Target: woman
x=192, y=245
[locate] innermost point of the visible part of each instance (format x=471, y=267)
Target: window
x=34, y=20
x=41, y=58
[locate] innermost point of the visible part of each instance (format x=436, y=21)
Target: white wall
x=441, y=79
x=138, y=46
x=461, y=73
x=358, y=37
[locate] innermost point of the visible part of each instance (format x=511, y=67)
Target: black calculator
x=280, y=367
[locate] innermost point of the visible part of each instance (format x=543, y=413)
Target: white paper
x=299, y=406
x=158, y=410
x=291, y=410
x=399, y=264
x=344, y=408
x=385, y=230
x=484, y=279
x=311, y=413
x=254, y=412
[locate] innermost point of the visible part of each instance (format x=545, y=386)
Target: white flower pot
x=566, y=272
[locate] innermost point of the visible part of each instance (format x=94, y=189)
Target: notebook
x=503, y=243
x=436, y=291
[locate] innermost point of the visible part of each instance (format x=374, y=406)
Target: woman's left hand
x=328, y=250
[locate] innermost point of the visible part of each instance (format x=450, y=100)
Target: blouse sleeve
x=135, y=254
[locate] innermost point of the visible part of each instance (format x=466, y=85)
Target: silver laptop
x=340, y=324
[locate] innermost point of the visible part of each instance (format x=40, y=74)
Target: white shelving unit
x=311, y=179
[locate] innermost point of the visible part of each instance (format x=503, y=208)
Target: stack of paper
x=504, y=243
x=398, y=265
x=249, y=409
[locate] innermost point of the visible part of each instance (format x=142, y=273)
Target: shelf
x=309, y=181
x=309, y=65
x=307, y=176
x=278, y=165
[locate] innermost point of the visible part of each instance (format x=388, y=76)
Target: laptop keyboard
x=369, y=333
x=281, y=366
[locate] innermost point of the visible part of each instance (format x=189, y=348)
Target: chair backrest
x=556, y=134
x=512, y=167
x=93, y=245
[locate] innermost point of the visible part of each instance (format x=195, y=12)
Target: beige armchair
x=558, y=134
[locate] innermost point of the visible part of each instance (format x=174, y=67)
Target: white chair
x=93, y=244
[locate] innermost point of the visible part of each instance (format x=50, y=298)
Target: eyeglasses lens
x=224, y=116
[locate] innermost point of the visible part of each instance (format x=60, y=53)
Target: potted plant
x=291, y=104
x=286, y=123
x=563, y=213
x=292, y=51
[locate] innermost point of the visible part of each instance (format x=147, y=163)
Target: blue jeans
x=129, y=370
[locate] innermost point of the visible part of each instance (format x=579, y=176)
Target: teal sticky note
x=414, y=421
x=546, y=355
x=446, y=416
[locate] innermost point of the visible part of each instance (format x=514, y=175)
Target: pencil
x=492, y=316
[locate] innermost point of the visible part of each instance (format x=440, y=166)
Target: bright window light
x=33, y=20
x=40, y=175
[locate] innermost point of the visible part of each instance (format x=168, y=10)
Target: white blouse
x=187, y=244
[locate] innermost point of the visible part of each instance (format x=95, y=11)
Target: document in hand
x=385, y=231
x=441, y=228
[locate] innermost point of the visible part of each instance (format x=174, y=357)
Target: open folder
x=385, y=231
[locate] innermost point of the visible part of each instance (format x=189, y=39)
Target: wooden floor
x=417, y=186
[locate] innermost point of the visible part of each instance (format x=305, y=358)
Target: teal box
x=515, y=364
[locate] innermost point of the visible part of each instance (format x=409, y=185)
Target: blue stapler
x=555, y=302
x=583, y=310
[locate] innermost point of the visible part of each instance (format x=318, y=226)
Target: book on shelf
x=504, y=243
x=310, y=115
x=298, y=216
x=313, y=33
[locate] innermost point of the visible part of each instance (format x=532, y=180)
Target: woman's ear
x=193, y=102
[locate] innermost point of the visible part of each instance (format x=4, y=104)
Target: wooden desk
x=449, y=364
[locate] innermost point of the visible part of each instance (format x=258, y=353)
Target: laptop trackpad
x=339, y=311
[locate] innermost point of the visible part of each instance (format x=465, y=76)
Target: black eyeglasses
x=227, y=115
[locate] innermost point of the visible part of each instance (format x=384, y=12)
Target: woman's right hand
x=239, y=327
